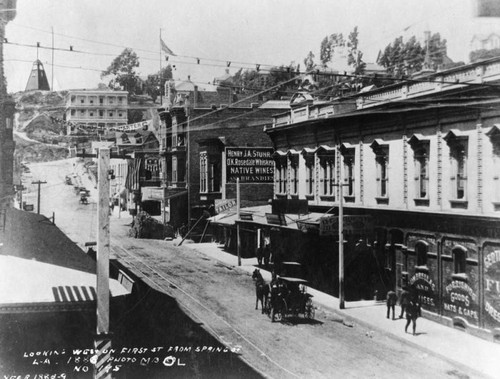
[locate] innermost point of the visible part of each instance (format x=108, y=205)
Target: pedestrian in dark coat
x=259, y=254
x=391, y=301
x=404, y=299
x=413, y=312
x=266, y=255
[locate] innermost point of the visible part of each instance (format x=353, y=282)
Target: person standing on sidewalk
x=404, y=299
x=413, y=311
x=391, y=301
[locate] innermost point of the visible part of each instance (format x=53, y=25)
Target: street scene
x=321, y=204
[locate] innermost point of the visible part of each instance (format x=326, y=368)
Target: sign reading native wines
x=249, y=164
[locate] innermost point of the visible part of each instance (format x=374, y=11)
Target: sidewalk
x=432, y=337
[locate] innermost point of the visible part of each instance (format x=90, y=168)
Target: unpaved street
x=222, y=298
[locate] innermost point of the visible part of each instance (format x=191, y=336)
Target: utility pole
x=20, y=188
x=39, y=183
x=102, y=342
x=238, y=239
x=52, y=85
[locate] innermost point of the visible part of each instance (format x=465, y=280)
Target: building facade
x=97, y=109
x=421, y=159
x=195, y=130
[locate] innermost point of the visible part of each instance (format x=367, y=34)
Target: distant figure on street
x=266, y=253
x=404, y=300
x=259, y=253
x=391, y=301
x=413, y=312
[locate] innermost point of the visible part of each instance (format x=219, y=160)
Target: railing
x=480, y=72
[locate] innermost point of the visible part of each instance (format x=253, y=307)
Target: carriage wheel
x=309, y=309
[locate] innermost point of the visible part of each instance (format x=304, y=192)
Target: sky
x=241, y=33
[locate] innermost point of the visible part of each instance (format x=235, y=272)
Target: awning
x=31, y=286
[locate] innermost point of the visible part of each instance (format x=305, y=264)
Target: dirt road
x=222, y=298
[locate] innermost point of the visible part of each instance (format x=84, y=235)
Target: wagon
x=289, y=297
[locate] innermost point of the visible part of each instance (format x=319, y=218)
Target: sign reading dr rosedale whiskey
x=249, y=164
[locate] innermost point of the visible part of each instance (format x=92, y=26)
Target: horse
x=261, y=290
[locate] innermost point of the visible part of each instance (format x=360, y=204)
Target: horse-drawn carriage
x=283, y=297
x=289, y=297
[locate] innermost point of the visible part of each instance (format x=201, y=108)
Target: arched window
x=421, y=249
x=459, y=259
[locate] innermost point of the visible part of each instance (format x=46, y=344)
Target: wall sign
x=249, y=164
x=492, y=284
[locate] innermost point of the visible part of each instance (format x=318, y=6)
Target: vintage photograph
x=249, y=189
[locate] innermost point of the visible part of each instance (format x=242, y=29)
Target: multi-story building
x=421, y=160
x=197, y=126
x=97, y=109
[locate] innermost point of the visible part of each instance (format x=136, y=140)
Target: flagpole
x=159, y=75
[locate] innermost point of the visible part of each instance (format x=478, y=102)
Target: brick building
x=197, y=125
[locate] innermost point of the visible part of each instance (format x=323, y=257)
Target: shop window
x=421, y=249
x=459, y=259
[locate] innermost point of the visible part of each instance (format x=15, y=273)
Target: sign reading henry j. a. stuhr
x=249, y=164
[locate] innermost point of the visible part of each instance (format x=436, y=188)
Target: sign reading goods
x=249, y=164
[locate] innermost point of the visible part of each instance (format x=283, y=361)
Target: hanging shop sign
x=224, y=205
x=276, y=219
x=329, y=225
x=249, y=164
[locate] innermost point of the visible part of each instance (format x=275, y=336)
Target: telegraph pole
x=39, y=183
x=238, y=238
x=102, y=341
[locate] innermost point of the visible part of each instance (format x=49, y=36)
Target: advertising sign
x=492, y=285
x=329, y=225
x=224, y=205
x=249, y=164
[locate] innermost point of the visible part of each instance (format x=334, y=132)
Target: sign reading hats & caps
x=224, y=205
x=329, y=225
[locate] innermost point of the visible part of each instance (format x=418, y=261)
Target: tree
x=355, y=56
x=309, y=61
x=123, y=70
x=406, y=58
x=155, y=83
x=482, y=54
x=328, y=46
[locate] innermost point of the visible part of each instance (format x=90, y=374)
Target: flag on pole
x=165, y=48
